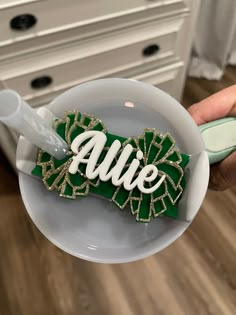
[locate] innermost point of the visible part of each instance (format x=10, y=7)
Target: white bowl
x=92, y=228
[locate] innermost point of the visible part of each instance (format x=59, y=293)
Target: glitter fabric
x=158, y=150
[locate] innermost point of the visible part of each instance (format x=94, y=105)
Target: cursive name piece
x=95, y=146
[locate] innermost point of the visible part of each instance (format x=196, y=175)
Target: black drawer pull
x=41, y=82
x=150, y=50
x=23, y=22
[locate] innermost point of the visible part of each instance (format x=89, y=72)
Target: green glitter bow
x=157, y=149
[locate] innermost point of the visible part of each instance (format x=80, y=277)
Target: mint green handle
x=219, y=137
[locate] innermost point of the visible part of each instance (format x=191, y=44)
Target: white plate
x=92, y=228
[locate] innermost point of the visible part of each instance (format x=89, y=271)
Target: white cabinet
x=48, y=46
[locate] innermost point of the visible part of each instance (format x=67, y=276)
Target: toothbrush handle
x=219, y=137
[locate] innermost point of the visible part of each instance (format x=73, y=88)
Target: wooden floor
x=194, y=276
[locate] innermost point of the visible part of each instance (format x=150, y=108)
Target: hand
x=219, y=105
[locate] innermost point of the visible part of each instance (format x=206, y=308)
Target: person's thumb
x=223, y=174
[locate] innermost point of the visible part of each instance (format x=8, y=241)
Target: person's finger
x=216, y=106
x=223, y=174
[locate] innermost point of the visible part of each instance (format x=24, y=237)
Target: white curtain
x=215, y=39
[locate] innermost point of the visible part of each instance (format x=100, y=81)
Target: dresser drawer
x=160, y=74
x=33, y=18
x=86, y=68
x=164, y=78
x=68, y=66
x=50, y=30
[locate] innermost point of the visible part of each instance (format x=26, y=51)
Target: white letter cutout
x=96, y=145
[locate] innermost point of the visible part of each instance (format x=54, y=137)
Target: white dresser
x=48, y=46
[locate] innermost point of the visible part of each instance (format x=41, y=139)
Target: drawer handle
x=151, y=50
x=41, y=82
x=23, y=22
